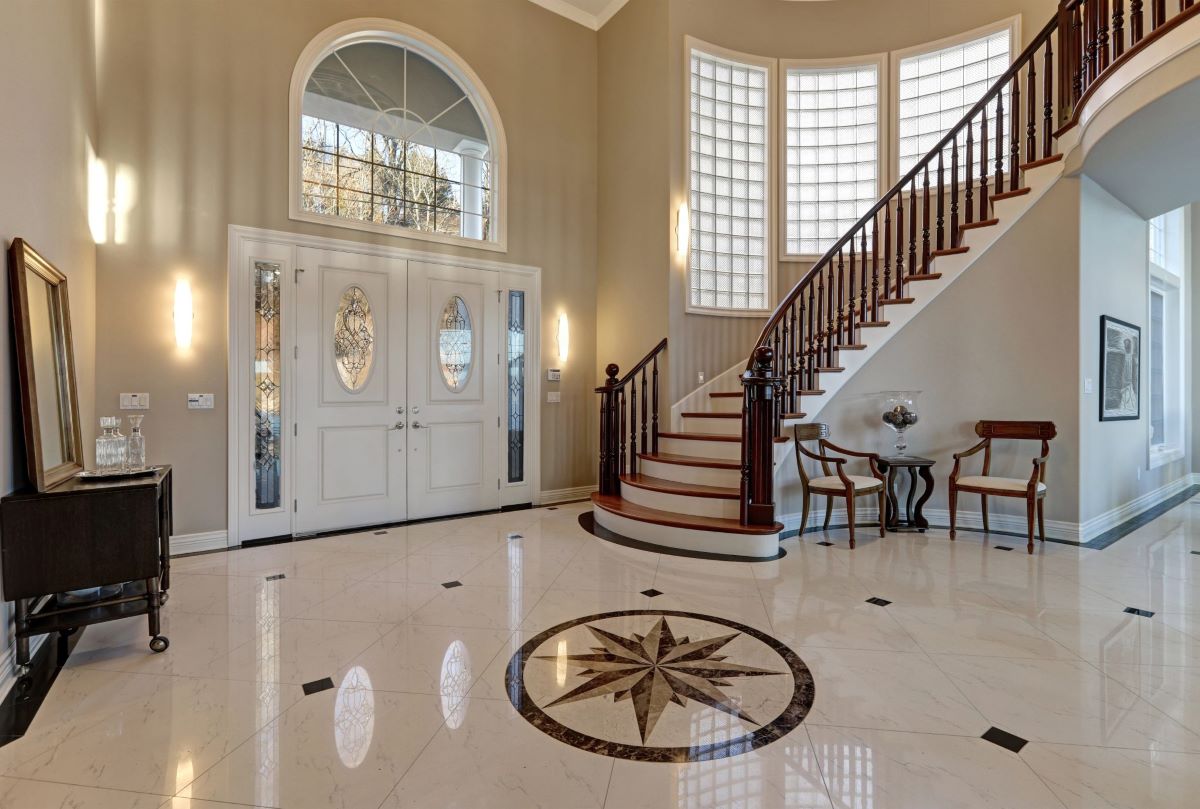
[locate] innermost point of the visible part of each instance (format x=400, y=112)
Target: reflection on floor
x=945, y=675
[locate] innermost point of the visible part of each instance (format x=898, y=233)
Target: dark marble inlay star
x=655, y=669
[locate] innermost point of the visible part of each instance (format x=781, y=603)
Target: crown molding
x=572, y=12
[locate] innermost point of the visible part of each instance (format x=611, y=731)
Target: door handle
x=400, y=411
x=398, y=426
x=416, y=425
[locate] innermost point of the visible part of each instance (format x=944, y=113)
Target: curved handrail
x=907, y=180
x=612, y=370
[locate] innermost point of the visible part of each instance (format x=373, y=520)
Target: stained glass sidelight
x=354, y=339
x=455, y=349
x=267, y=377
x=516, y=386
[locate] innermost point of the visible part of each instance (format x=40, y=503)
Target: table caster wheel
x=158, y=643
x=162, y=599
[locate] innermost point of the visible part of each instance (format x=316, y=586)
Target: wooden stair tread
x=829, y=370
x=949, y=251
x=793, y=416
x=689, y=460
x=654, y=484
x=707, y=415
x=1045, y=161
x=813, y=392
x=875, y=324
x=891, y=301
x=726, y=395
x=728, y=439
x=623, y=508
x=986, y=223
x=850, y=347
x=1020, y=192
x=925, y=276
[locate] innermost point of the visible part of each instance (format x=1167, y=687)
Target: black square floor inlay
x=826, y=544
x=449, y=584
x=1004, y=547
x=1141, y=613
x=515, y=536
x=552, y=508
x=276, y=577
x=878, y=602
x=317, y=686
x=1197, y=553
x=1005, y=739
x=380, y=533
x=651, y=593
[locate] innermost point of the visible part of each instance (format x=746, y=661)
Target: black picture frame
x=1116, y=394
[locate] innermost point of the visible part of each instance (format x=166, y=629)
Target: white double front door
x=399, y=390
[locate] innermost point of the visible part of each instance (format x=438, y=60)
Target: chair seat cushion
x=999, y=484
x=862, y=483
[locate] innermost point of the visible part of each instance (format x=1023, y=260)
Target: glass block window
x=268, y=365
x=938, y=87
x=516, y=386
x=728, y=257
x=389, y=138
x=832, y=154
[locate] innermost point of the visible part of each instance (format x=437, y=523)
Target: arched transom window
x=392, y=132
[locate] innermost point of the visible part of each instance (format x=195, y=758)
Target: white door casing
x=350, y=442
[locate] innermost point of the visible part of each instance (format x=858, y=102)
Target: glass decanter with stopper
x=135, y=452
x=110, y=449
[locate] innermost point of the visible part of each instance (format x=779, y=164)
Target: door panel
x=453, y=349
x=350, y=374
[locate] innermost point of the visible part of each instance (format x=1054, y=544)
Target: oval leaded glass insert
x=455, y=348
x=354, y=339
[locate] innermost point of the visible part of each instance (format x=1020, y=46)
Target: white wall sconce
x=563, y=336
x=183, y=314
x=683, y=228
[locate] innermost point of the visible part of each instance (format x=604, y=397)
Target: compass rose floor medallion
x=659, y=685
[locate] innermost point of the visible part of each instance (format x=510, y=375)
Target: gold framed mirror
x=45, y=367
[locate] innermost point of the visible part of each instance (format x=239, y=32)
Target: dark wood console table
x=81, y=535
x=915, y=520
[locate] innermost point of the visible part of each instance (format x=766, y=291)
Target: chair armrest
x=823, y=458
x=844, y=451
x=958, y=457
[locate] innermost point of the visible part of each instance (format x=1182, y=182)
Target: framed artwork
x=1120, y=370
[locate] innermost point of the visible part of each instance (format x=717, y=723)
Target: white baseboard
x=196, y=543
x=551, y=496
x=1010, y=523
x=1113, y=517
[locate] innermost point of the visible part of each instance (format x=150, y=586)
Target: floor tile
x=16, y=793
x=1118, y=637
x=1097, y=778
x=973, y=630
x=384, y=602
x=445, y=661
x=298, y=650
x=1172, y=689
x=478, y=606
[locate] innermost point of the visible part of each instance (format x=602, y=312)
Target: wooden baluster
x=954, y=191
x=633, y=424
x=1159, y=10
x=1136, y=24
x=621, y=428
x=998, y=180
x=1118, y=29
x=792, y=370
x=831, y=332
x=781, y=361
x=1030, y=116
x=654, y=411
x=1102, y=57
x=1048, y=101
x=875, y=268
x=849, y=327
x=912, y=227
x=983, y=164
x=810, y=357
x=862, y=286
x=1079, y=46
x=899, y=245
x=941, y=200
x=1014, y=137
x=887, y=256
x=819, y=352
x=777, y=401
x=969, y=196
x=645, y=425
x=925, y=224
x=841, y=302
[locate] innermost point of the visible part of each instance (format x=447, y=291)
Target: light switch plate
x=200, y=401
x=135, y=401
x=554, y=375
x=1088, y=387
x=553, y=396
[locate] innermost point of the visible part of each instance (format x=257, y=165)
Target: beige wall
x=1002, y=342
x=47, y=83
x=792, y=30
x=195, y=111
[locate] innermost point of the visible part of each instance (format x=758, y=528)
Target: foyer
x=599, y=403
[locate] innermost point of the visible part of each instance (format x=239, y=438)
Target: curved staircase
x=709, y=484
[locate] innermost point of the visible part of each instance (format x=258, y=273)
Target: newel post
x=759, y=391
x=609, y=474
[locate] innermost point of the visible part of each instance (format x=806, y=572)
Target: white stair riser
x=724, y=404
x=699, y=424
x=701, y=475
x=721, y=450
x=679, y=503
x=752, y=545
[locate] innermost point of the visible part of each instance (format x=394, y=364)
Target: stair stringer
x=980, y=240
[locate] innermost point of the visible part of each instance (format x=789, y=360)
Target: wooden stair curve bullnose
x=632, y=511
x=683, y=489
x=688, y=460
x=715, y=437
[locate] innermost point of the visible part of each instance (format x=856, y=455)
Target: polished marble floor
x=373, y=674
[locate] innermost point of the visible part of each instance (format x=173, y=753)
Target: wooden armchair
x=1033, y=490
x=838, y=484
